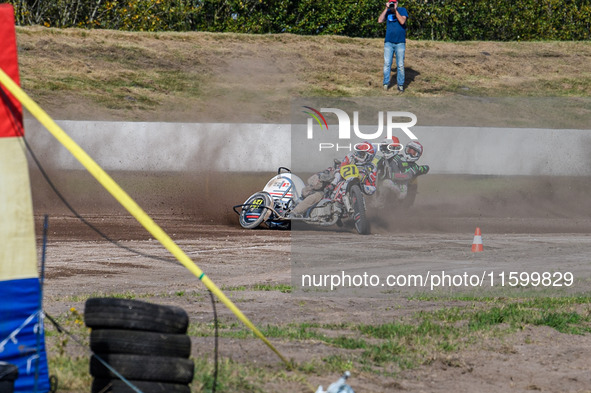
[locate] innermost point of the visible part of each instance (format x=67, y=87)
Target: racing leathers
x=397, y=173
x=313, y=192
x=369, y=169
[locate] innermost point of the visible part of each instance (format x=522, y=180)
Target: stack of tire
x=8, y=374
x=146, y=343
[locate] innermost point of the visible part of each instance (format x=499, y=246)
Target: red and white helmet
x=413, y=151
x=363, y=154
x=392, y=147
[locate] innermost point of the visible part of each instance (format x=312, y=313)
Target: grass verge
x=383, y=349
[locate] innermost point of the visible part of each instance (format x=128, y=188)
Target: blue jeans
x=389, y=50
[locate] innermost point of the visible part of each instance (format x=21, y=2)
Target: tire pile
x=8, y=374
x=144, y=342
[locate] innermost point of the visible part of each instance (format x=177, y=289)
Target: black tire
x=112, y=313
x=100, y=385
x=254, y=211
x=144, y=368
x=8, y=372
x=133, y=342
x=361, y=221
x=7, y=386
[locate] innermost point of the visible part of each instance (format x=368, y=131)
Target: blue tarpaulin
x=22, y=340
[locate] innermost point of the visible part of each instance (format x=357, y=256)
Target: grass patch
x=232, y=377
x=120, y=295
x=318, y=91
x=380, y=349
x=283, y=288
x=65, y=358
x=72, y=372
x=194, y=72
x=239, y=377
x=565, y=322
x=385, y=348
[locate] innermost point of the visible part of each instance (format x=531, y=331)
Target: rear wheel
x=255, y=210
x=361, y=221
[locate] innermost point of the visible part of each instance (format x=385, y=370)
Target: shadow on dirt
x=410, y=75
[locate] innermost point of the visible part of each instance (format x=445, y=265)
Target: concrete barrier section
x=155, y=146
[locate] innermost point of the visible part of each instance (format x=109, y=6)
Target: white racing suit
x=313, y=192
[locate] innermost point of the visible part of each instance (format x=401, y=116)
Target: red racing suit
x=369, y=171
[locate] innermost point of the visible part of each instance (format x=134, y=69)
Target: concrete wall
x=138, y=146
x=506, y=151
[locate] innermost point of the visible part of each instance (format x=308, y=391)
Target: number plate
x=349, y=171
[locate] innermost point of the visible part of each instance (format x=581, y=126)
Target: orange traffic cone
x=477, y=243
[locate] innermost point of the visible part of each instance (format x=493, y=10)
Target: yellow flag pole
x=126, y=201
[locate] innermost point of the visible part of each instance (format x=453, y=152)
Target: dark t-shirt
x=395, y=33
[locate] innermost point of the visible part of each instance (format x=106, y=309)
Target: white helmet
x=363, y=154
x=413, y=151
x=390, y=147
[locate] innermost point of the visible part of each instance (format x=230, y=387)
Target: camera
x=391, y=4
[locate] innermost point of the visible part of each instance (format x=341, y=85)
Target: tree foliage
x=429, y=19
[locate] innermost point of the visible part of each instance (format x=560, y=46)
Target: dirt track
x=519, y=235
x=527, y=222
x=534, y=359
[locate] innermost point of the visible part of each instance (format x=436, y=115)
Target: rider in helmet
x=385, y=152
x=404, y=169
x=390, y=148
x=362, y=156
x=413, y=151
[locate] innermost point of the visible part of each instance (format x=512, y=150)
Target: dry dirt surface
x=521, y=235
x=528, y=223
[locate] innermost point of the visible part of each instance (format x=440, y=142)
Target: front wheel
x=255, y=210
x=360, y=218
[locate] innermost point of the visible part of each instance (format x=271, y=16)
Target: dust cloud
x=445, y=203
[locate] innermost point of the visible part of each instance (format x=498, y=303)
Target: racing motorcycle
x=272, y=206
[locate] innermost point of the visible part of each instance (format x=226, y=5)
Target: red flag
x=11, y=112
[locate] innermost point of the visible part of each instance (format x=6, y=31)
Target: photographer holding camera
x=395, y=42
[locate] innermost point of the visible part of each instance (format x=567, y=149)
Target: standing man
x=395, y=42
